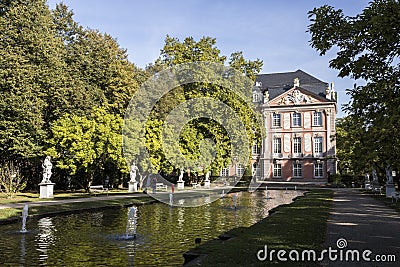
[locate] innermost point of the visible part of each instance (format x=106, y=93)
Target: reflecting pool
x=164, y=233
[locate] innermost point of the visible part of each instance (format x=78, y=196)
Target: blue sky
x=273, y=31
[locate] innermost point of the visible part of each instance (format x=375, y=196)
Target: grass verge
x=11, y=215
x=300, y=225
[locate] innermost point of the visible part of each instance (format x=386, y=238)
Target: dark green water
x=164, y=233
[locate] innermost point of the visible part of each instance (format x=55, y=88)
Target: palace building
x=299, y=113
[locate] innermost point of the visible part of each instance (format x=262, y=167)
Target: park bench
x=396, y=196
x=97, y=188
x=161, y=186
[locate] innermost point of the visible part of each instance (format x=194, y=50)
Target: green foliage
x=201, y=138
x=52, y=68
x=11, y=180
x=86, y=145
x=368, y=48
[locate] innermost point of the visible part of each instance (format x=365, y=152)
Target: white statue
x=181, y=176
x=208, y=176
x=47, y=166
x=389, y=177
x=374, y=176
x=367, y=178
x=266, y=96
x=134, y=169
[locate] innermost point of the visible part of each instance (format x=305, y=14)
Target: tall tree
x=200, y=131
x=31, y=76
x=368, y=47
x=88, y=145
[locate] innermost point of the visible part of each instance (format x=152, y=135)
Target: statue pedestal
x=181, y=185
x=132, y=187
x=46, y=190
x=390, y=189
x=207, y=184
x=368, y=186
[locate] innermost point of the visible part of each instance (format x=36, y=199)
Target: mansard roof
x=279, y=83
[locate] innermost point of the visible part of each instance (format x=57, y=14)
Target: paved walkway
x=363, y=222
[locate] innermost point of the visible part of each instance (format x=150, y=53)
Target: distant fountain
x=295, y=188
x=268, y=195
x=24, y=216
x=286, y=191
x=235, y=200
x=223, y=193
x=132, y=223
x=171, y=200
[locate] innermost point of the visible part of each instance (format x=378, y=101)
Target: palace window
x=297, y=145
x=276, y=120
x=277, y=171
x=297, y=170
x=256, y=149
x=318, y=145
x=317, y=118
x=256, y=172
x=277, y=145
x=296, y=119
x=318, y=170
x=256, y=97
x=225, y=172
x=239, y=170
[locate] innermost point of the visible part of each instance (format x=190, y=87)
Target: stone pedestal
x=207, y=184
x=368, y=186
x=181, y=185
x=46, y=190
x=390, y=189
x=132, y=187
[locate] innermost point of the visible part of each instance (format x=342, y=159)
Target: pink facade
x=299, y=113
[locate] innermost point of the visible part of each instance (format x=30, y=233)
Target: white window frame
x=240, y=170
x=255, y=169
x=277, y=145
x=318, y=146
x=276, y=120
x=317, y=118
x=296, y=119
x=277, y=171
x=255, y=149
x=297, y=170
x=225, y=172
x=256, y=97
x=318, y=172
x=297, y=146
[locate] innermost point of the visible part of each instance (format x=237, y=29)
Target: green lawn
x=300, y=225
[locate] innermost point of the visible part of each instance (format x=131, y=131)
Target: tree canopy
x=367, y=47
x=202, y=131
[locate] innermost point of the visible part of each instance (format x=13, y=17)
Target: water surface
x=164, y=233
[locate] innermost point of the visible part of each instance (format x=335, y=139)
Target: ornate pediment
x=296, y=96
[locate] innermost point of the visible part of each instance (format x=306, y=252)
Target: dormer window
x=256, y=97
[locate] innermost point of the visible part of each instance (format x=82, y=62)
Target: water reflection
x=45, y=238
x=164, y=233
